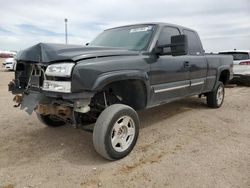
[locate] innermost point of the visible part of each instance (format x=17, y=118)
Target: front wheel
x=215, y=98
x=116, y=131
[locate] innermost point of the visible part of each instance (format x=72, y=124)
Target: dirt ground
x=181, y=144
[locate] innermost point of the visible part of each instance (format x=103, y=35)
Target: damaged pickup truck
x=123, y=70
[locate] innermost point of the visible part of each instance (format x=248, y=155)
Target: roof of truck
x=153, y=23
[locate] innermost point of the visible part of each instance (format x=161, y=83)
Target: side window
x=165, y=36
x=194, y=44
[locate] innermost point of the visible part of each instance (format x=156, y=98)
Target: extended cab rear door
x=169, y=75
x=196, y=62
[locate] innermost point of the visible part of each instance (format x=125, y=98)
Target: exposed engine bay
x=31, y=94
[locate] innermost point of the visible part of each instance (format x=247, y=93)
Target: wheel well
x=224, y=76
x=131, y=92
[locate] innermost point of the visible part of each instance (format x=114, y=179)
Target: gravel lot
x=182, y=144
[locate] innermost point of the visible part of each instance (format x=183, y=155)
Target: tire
x=49, y=121
x=116, y=131
x=215, y=98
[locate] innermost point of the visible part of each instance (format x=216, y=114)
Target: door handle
x=186, y=64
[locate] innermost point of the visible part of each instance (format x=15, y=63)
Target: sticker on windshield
x=141, y=29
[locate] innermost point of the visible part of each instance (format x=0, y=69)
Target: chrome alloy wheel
x=123, y=133
x=220, y=95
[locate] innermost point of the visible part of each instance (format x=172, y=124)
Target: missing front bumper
x=34, y=99
x=29, y=101
x=63, y=112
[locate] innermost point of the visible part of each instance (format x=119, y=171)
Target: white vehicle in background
x=241, y=65
x=9, y=64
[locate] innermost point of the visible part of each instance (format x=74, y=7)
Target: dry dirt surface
x=181, y=144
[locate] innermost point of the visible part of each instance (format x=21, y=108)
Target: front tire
x=116, y=131
x=215, y=98
x=49, y=121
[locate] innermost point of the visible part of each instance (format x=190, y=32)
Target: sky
x=221, y=24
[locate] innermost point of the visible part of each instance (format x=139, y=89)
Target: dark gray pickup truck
x=123, y=70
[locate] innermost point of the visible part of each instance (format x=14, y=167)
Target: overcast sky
x=222, y=24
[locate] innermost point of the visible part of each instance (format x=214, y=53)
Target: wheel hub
x=220, y=95
x=123, y=133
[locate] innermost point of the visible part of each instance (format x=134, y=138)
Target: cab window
x=165, y=37
x=194, y=44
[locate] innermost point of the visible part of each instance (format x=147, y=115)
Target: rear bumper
x=241, y=79
x=238, y=76
x=241, y=70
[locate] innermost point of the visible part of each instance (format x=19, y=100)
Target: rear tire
x=49, y=121
x=116, y=131
x=215, y=98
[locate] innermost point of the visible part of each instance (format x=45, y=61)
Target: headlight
x=60, y=69
x=57, y=86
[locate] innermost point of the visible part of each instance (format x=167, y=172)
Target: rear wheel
x=116, y=131
x=215, y=98
x=50, y=121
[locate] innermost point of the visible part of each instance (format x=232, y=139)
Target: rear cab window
x=194, y=43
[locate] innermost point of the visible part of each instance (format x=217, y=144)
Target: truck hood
x=47, y=53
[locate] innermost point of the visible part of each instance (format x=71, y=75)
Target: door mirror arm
x=159, y=49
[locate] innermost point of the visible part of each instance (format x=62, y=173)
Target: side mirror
x=179, y=45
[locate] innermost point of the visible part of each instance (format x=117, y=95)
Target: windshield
x=237, y=55
x=131, y=37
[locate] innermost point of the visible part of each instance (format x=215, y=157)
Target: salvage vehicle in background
x=123, y=70
x=241, y=65
x=9, y=64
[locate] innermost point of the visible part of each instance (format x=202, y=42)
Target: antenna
x=66, y=30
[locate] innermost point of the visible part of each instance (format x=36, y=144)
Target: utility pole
x=66, y=30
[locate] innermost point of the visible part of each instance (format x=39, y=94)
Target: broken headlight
x=60, y=69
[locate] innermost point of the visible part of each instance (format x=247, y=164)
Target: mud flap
x=30, y=101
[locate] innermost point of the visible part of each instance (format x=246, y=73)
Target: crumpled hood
x=46, y=53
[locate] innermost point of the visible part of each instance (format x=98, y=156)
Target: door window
x=165, y=37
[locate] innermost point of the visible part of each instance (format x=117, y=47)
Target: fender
x=109, y=77
x=219, y=70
